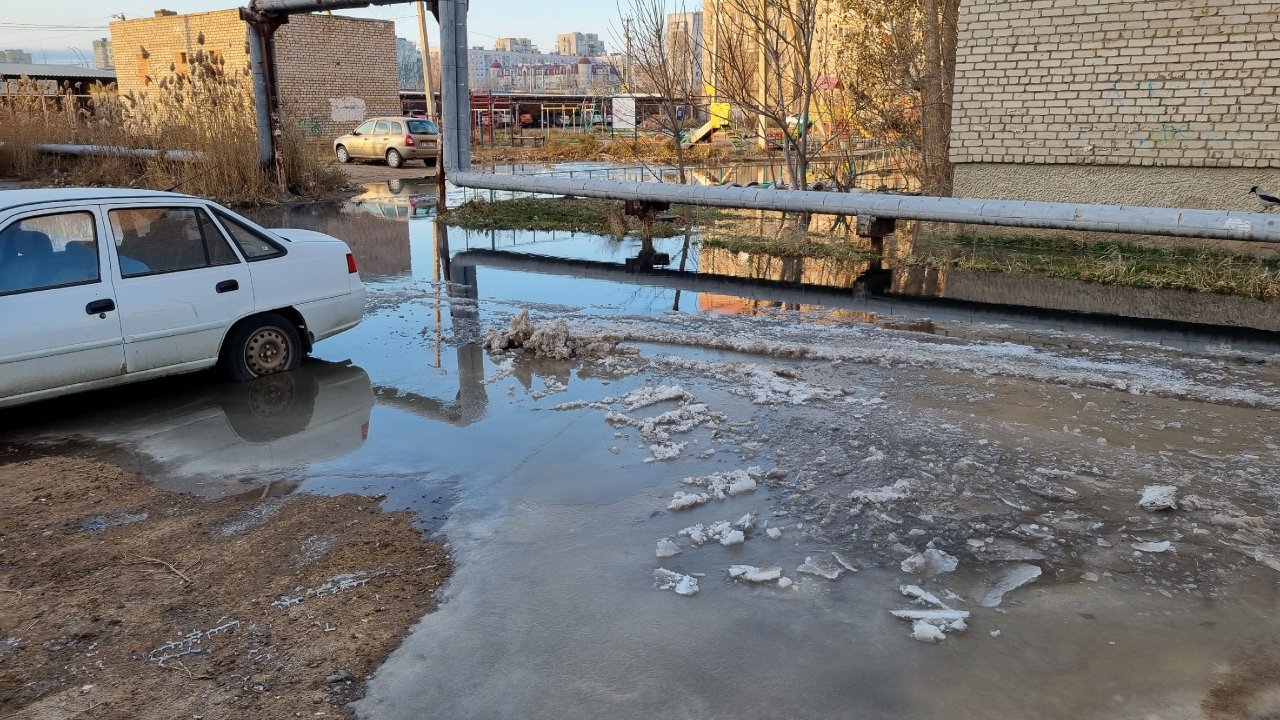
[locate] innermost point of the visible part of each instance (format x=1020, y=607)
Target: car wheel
x=394, y=160
x=262, y=345
x=344, y=157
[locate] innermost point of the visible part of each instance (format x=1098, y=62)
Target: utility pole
x=762, y=125
x=426, y=60
x=626, y=33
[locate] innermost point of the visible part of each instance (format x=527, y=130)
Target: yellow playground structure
x=719, y=119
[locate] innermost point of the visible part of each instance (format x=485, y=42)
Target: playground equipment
x=719, y=119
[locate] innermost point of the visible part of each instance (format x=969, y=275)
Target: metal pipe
x=66, y=149
x=293, y=7
x=261, y=108
x=1176, y=222
x=455, y=88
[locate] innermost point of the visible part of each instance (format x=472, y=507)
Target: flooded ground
x=708, y=502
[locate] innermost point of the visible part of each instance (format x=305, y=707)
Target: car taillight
x=408, y=141
x=364, y=431
x=351, y=264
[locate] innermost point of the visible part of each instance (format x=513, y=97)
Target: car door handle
x=97, y=307
x=227, y=286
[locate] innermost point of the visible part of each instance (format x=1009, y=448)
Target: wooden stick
x=153, y=561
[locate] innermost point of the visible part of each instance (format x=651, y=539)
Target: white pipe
x=62, y=149
x=1177, y=222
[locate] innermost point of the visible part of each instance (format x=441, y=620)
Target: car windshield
x=423, y=127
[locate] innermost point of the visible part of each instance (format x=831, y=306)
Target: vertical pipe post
x=262, y=116
x=455, y=87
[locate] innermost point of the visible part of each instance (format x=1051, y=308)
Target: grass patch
x=789, y=245
x=1196, y=269
x=584, y=215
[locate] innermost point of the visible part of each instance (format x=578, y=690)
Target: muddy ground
x=120, y=600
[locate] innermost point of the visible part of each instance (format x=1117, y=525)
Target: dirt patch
x=120, y=600
x=1250, y=690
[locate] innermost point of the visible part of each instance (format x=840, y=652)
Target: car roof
x=10, y=199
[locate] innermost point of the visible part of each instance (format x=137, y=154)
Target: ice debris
x=722, y=532
x=1152, y=547
x=717, y=486
x=646, y=396
x=1159, y=497
x=924, y=596
x=553, y=341
x=931, y=626
x=930, y=562
x=822, y=566
x=897, y=491
x=682, y=584
x=751, y=573
x=665, y=451
x=1012, y=578
x=847, y=562
x=667, y=549
x=773, y=533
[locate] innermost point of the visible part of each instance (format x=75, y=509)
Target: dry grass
x=1201, y=269
x=205, y=108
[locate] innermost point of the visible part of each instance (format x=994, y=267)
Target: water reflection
x=222, y=438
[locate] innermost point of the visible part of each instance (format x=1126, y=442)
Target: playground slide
x=702, y=133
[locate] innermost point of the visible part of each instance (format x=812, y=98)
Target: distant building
x=333, y=71
x=103, y=58
x=408, y=65
x=580, y=44
x=498, y=71
x=685, y=45
x=515, y=45
x=15, y=56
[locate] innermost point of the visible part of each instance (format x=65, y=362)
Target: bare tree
x=764, y=60
x=663, y=60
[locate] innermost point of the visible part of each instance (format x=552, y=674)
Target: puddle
x=881, y=427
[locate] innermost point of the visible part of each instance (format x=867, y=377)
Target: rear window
x=423, y=127
x=155, y=240
x=253, y=244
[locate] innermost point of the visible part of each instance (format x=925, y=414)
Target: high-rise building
x=515, y=45
x=580, y=44
x=408, y=64
x=685, y=45
x=15, y=56
x=103, y=57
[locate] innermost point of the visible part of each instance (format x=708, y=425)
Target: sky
x=50, y=28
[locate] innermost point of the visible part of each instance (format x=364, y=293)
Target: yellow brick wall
x=335, y=71
x=331, y=69
x=1141, y=84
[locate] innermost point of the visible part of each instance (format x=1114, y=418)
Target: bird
x=1264, y=197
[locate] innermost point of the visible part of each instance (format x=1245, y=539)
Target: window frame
x=376, y=131
x=225, y=219
x=97, y=246
x=204, y=240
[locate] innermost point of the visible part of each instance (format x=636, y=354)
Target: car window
x=397, y=128
x=48, y=251
x=365, y=128
x=423, y=127
x=381, y=128
x=253, y=244
x=155, y=240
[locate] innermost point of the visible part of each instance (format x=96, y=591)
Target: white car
x=104, y=287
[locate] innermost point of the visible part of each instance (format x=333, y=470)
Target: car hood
x=303, y=236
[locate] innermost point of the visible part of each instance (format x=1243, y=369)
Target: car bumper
x=328, y=317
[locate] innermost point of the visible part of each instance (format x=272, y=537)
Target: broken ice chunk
x=847, y=562
x=785, y=582
x=1159, y=497
x=927, y=632
x=930, y=562
x=746, y=522
x=733, y=537
x=683, y=500
x=773, y=533
x=741, y=486
x=934, y=616
x=924, y=596
x=751, y=573
x=665, y=451
x=822, y=566
x=1012, y=578
x=667, y=549
x=682, y=584
x=1152, y=547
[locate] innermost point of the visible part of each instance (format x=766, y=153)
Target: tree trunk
x=935, y=105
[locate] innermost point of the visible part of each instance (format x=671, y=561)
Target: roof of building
x=54, y=71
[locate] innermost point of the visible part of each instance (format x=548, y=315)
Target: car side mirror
x=355, y=133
